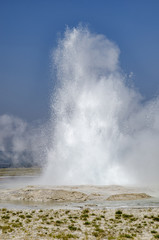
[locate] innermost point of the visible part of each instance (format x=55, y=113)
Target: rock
x=128, y=196
x=44, y=195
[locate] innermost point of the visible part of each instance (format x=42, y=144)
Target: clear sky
x=29, y=30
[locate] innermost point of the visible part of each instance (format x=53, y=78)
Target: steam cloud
x=20, y=143
x=102, y=132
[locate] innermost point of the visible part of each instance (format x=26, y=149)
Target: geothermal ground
x=31, y=211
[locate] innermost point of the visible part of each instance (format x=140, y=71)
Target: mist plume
x=101, y=131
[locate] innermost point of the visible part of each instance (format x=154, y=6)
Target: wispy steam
x=102, y=132
x=20, y=143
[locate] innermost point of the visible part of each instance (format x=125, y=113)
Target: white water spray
x=101, y=131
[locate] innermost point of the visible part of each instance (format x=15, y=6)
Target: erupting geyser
x=101, y=132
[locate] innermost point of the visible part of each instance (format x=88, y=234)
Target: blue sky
x=29, y=31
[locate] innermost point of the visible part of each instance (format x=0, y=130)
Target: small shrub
x=4, y=209
x=22, y=216
x=85, y=211
x=27, y=220
x=84, y=216
x=5, y=217
x=6, y=228
x=118, y=212
x=72, y=228
x=17, y=225
x=87, y=223
x=67, y=211
x=126, y=236
x=58, y=223
x=126, y=216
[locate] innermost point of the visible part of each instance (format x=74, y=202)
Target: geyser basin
x=101, y=132
x=77, y=197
